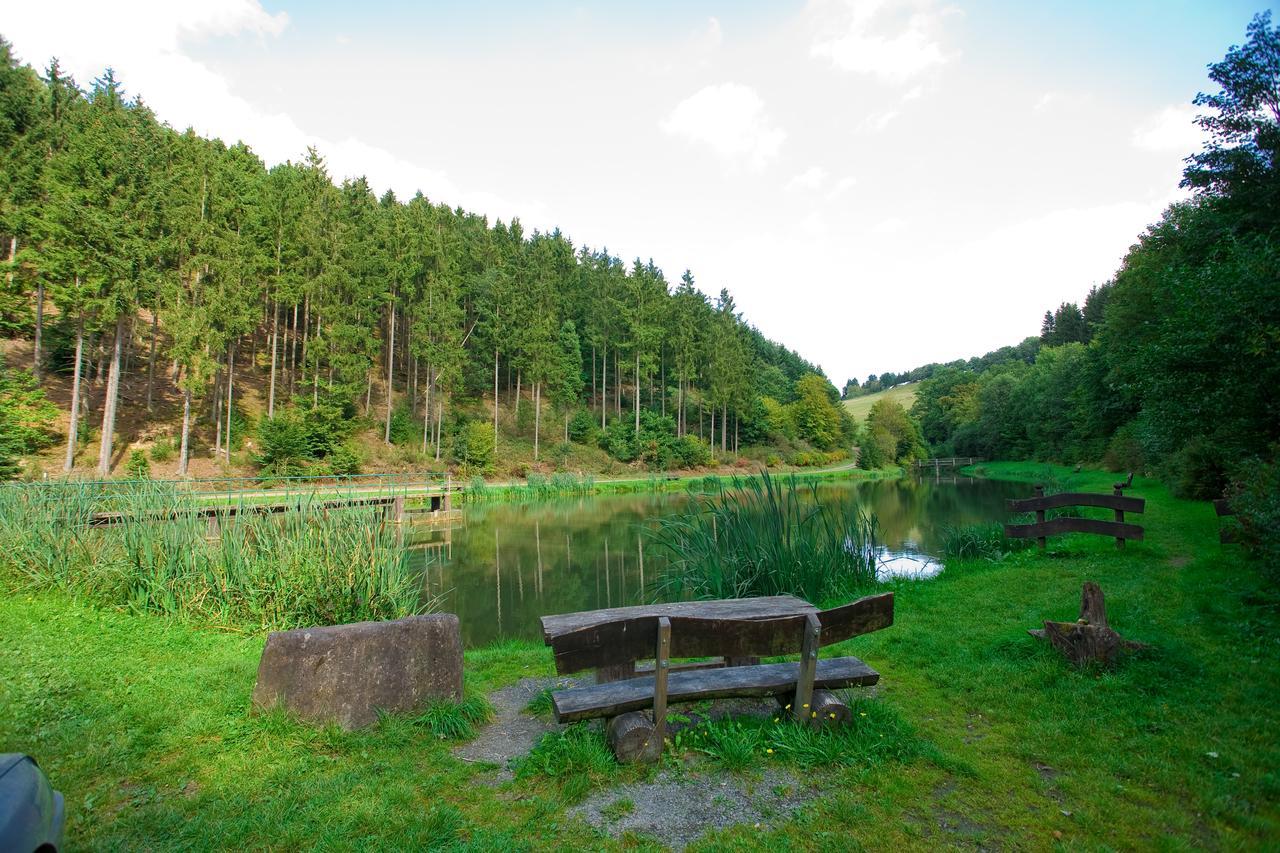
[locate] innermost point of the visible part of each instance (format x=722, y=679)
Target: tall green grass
x=766, y=536
x=305, y=566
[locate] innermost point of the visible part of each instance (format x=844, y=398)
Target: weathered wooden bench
x=734, y=632
x=1042, y=528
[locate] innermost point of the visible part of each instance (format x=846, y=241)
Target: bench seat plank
x=764, y=607
x=770, y=679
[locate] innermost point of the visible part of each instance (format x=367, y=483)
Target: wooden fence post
x=397, y=509
x=1041, y=541
x=447, y=503
x=1119, y=515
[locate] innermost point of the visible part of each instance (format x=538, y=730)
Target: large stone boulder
x=346, y=673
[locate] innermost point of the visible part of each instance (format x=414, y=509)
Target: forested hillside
x=137, y=250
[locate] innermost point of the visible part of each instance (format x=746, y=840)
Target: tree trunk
x=74, y=428
x=184, y=452
x=439, y=424
x=151, y=354
x=604, y=386
x=495, y=400
x=293, y=356
x=275, y=336
x=537, y=416
x=724, y=428
x=637, y=392
x=391, y=366
x=426, y=413
x=231, y=387
x=617, y=385
x=35, y=355
x=518, y=377
x=594, y=388
x=109, y=406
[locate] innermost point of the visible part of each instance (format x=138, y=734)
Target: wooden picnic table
x=762, y=607
x=733, y=634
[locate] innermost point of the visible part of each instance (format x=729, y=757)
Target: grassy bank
x=143, y=723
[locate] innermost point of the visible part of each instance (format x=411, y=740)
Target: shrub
x=404, y=427
x=1199, y=471
x=1255, y=497
x=473, y=446
x=164, y=449
x=1124, y=451
x=343, y=461
x=583, y=428
x=692, y=452
x=138, y=468
x=284, y=445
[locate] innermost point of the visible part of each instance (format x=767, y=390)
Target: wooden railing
x=1043, y=527
x=939, y=464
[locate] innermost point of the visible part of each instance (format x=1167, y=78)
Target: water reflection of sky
x=508, y=564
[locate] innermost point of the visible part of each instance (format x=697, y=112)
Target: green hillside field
x=859, y=406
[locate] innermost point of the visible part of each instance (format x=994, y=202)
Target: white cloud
x=884, y=227
x=842, y=186
x=713, y=37
x=809, y=179
x=730, y=119
x=895, y=40
x=1172, y=129
x=879, y=121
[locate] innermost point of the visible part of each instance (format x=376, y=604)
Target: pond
x=507, y=564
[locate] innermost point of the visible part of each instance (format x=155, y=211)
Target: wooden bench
x=1117, y=502
x=737, y=632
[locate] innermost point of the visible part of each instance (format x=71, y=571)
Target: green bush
x=1255, y=497
x=404, y=427
x=1124, y=451
x=138, y=468
x=1199, y=470
x=692, y=452
x=583, y=428
x=473, y=446
x=284, y=445
x=164, y=449
x=342, y=461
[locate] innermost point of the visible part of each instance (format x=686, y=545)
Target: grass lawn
x=990, y=738
x=903, y=394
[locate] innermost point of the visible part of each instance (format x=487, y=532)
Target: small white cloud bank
x=895, y=40
x=1173, y=129
x=730, y=119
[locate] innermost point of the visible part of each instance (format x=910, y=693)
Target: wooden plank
x=1064, y=499
x=859, y=617
x=631, y=639
x=770, y=679
x=1058, y=526
x=765, y=607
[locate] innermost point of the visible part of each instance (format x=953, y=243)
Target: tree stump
x=826, y=709
x=1089, y=638
x=633, y=739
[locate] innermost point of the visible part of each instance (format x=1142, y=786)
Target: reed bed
x=766, y=536
x=305, y=566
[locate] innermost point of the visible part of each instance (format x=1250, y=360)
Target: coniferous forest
x=135, y=250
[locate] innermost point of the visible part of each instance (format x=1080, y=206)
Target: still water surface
x=507, y=564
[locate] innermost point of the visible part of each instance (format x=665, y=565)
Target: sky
x=880, y=183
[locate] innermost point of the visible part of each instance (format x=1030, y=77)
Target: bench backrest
x=625, y=640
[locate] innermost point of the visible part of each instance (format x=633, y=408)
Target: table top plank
x=764, y=607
